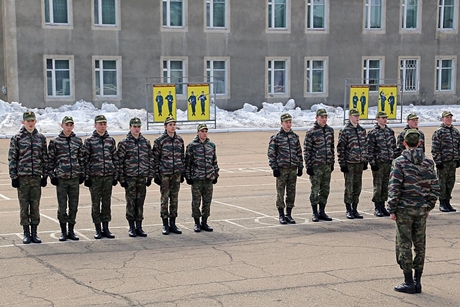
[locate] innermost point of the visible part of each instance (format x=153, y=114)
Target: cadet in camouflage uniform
x=135, y=174
x=27, y=158
x=381, y=146
x=101, y=174
x=168, y=170
x=201, y=172
x=412, y=123
x=67, y=171
x=352, y=156
x=445, y=149
x=319, y=155
x=413, y=191
x=285, y=159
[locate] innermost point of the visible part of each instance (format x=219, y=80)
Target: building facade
x=57, y=52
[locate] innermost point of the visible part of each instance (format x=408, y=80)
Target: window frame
x=453, y=68
x=118, y=60
x=226, y=28
x=365, y=70
x=325, y=30
x=184, y=73
x=226, y=95
x=49, y=25
x=325, y=70
x=284, y=30
x=116, y=27
x=268, y=91
x=454, y=29
x=403, y=70
x=368, y=11
x=170, y=28
x=54, y=97
x=403, y=18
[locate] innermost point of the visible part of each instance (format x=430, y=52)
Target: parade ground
x=249, y=259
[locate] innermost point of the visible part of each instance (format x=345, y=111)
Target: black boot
x=378, y=210
x=451, y=209
x=349, y=212
x=26, y=239
x=106, y=232
x=322, y=213
x=172, y=226
x=417, y=283
x=63, y=236
x=34, y=237
x=443, y=205
x=98, y=234
x=408, y=285
x=132, y=230
x=383, y=209
x=165, y=230
x=288, y=216
x=282, y=219
x=314, y=215
x=204, y=224
x=197, y=227
x=355, y=211
x=139, y=231
x=71, y=234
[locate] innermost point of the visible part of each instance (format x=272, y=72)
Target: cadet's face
x=100, y=127
x=382, y=120
x=286, y=125
x=67, y=128
x=135, y=130
x=413, y=123
x=322, y=120
x=170, y=127
x=447, y=120
x=203, y=134
x=354, y=119
x=29, y=124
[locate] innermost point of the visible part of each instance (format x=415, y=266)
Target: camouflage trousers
x=353, y=182
x=286, y=183
x=320, y=184
x=135, y=197
x=29, y=194
x=170, y=186
x=201, y=193
x=380, y=180
x=101, y=195
x=447, y=179
x=67, y=192
x=410, y=230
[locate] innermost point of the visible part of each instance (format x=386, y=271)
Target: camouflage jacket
x=284, y=150
x=381, y=144
x=400, y=141
x=134, y=157
x=445, y=144
x=168, y=155
x=66, y=157
x=201, y=160
x=413, y=181
x=318, y=146
x=352, y=145
x=28, y=154
x=101, y=156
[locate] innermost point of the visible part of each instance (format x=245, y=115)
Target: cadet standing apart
x=352, y=156
x=27, y=159
x=67, y=171
x=168, y=165
x=101, y=174
x=412, y=123
x=319, y=158
x=413, y=191
x=445, y=151
x=201, y=172
x=381, y=146
x=135, y=174
x=285, y=160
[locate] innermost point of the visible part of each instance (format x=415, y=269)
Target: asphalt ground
x=249, y=259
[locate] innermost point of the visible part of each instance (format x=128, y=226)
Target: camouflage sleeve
x=393, y=144
x=82, y=159
x=394, y=186
x=333, y=147
x=307, y=148
x=371, y=144
x=87, y=148
x=113, y=153
x=45, y=157
x=51, y=159
x=400, y=144
x=214, y=162
x=150, y=155
x=188, y=159
x=272, y=153
x=434, y=189
x=299, y=153
x=341, y=148
x=183, y=155
x=121, y=155
x=156, y=150
x=435, y=148
x=13, y=156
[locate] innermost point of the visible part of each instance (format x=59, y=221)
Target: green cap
x=285, y=117
x=381, y=114
x=135, y=122
x=412, y=116
x=353, y=112
x=412, y=136
x=29, y=115
x=447, y=113
x=100, y=119
x=67, y=119
x=321, y=112
x=201, y=127
x=169, y=119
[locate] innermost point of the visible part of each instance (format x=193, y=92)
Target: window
x=316, y=14
x=277, y=70
x=446, y=15
x=315, y=76
x=105, y=12
x=373, y=13
x=173, y=13
x=372, y=73
x=56, y=12
x=409, y=74
x=174, y=72
x=444, y=74
x=410, y=14
x=277, y=14
x=217, y=76
x=58, y=77
x=106, y=77
x=216, y=14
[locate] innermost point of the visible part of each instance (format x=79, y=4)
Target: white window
x=316, y=14
x=57, y=12
x=216, y=11
x=372, y=73
x=410, y=15
x=107, y=77
x=445, y=74
x=277, y=77
x=105, y=12
x=174, y=73
x=315, y=76
x=217, y=76
x=409, y=74
x=173, y=13
x=447, y=17
x=373, y=14
x=277, y=14
x=58, y=77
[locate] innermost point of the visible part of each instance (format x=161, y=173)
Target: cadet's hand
x=440, y=166
x=88, y=183
x=15, y=183
x=332, y=167
x=214, y=181
x=189, y=181
x=148, y=182
x=55, y=181
x=365, y=166
x=124, y=184
x=344, y=169
x=81, y=180
x=276, y=173
x=182, y=178
x=374, y=168
x=114, y=182
x=310, y=171
x=43, y=182
x=157, y=180
x=393, y=216
x=458, y=163
x=299, y=172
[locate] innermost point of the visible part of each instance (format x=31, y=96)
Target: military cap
x=67, y=119
x=285, y=117
x=321, y=112
x=447, y=113
x=381, y=114
x=353, y=112
x=169, y=119
x=412, y=116
x=100, y=119
x=29, y=115
x=135, y=122
x=201, y=127
x=412, y=136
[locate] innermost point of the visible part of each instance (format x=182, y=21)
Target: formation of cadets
x=100, y=164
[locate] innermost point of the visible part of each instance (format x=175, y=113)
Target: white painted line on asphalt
x=4, y=197
x=233, y=223
x=238, y=207
x=50, y=218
